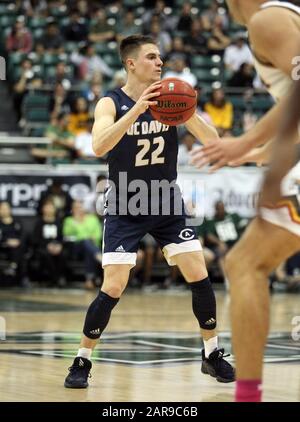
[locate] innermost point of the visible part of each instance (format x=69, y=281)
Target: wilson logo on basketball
x=171, y=104
x=176, y=103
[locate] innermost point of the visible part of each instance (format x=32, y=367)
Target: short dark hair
x=133, y=42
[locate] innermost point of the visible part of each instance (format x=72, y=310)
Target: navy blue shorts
x=122, y=235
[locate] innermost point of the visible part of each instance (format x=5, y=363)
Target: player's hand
x=219, y=153
x=147, y=98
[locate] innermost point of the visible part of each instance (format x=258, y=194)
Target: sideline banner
x=238, y=188
x=23, y=191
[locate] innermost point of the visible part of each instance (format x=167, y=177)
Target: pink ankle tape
x=248, y=391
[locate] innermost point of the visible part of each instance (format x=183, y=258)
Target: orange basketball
x=176, y=104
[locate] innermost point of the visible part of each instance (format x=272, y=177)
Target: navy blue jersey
x=148, y=151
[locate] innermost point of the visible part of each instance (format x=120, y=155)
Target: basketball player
x=285, y=152
x=142, y=149
x=274, y=32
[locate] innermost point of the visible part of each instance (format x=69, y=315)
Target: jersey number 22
x=156, y=157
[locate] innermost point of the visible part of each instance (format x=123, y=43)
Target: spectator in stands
x=249, y=117
x=62, y=146
x=218, y=40
x=93, y=95
x=84, y=8
x=52, y=40
x=243, y=78
x=78, y=119
x=85, y=232
x=119, y=79
x=127, y=26
x=89, y=63
x=222, y=231
x=201, y=104
x=220, y=110
x=185, y=18
x=237, y=53
x=12, y=244
x=83, y=145
x=28, y=79
x=187, y=143
x=38, y=51
x=167, y=22
x=180, y=70
x=210, y=14
x=77, y=29
x=62, y=75
x=100, y=30
x=59, y=101
x=31, y=8
x=60, y=198
x=195, y=42
x=161, y=37
x=20, y=38
x=177, y=51
x=48, y=244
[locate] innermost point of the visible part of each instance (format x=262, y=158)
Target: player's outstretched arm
x=230, y=149
x=285, y=154
x=106, y=131
x=259, y=156
x=200, y=129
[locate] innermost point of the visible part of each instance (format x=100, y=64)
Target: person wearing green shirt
x=62, y=144
x=221, y=232
x=85, y=231
x=224, y=229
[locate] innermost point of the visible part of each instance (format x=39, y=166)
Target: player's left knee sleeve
x=204, y=304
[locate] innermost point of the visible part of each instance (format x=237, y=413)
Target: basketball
x=176, y=104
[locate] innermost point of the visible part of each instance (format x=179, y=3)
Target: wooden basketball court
x=150, y=351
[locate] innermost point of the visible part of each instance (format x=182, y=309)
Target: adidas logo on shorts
x=97, y=331
x=120, y=249
x=124, y=107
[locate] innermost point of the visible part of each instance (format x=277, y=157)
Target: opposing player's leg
x=261, y=249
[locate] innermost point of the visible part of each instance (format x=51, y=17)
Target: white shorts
x=287, y=213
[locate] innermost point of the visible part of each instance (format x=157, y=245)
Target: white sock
x=210, y=345
x=84, y=353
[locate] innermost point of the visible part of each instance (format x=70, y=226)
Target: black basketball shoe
x=216, y=366
x=79, y=373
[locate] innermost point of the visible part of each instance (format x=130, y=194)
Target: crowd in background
x=66, y=231
x=81, y=76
